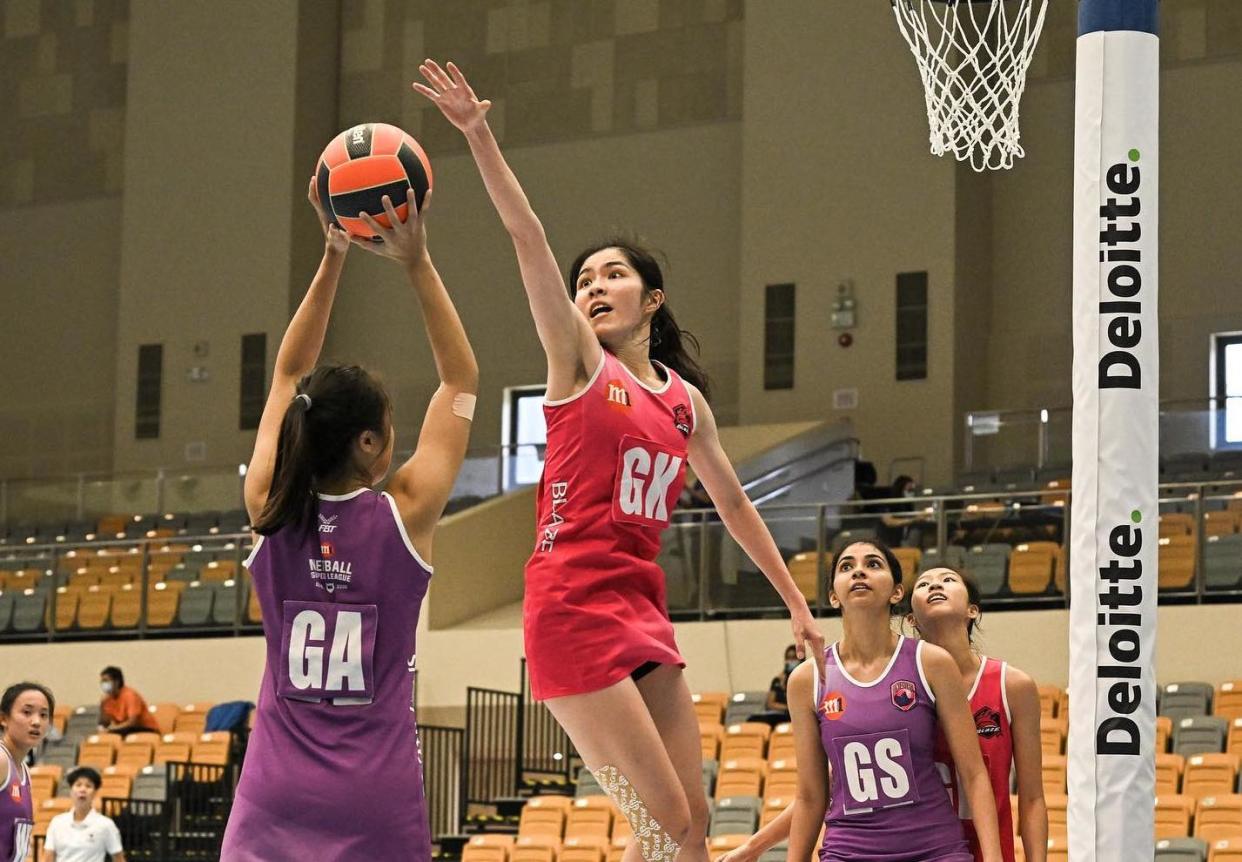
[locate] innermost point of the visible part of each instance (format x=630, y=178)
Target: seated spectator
x=897, y=521
x=776, y=692
x=122, y=709
x=82, y=834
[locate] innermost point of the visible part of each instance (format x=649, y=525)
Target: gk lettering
x=862, y=763
x=343, y=671
x=644, y=484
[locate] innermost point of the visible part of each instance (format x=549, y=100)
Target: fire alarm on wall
x=845, y=339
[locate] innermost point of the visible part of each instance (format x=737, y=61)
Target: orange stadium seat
x=710, y=734
x=1058, y=805
x=126, y=608
x=66, y=607
x=544, y=815
x=1052, y=735
x=748, y=739
x=622, y=831
x=1031, y=567
x=162, y=600
x=190, y=722
x=1176, y=524
x=1169, y=768
x=210, y=752
x=478, y=849
x=1176, y=560
x=1222, y=523
x=1226, y=850
x=94, y=605
x=742, y=776
x=773, y=807
x=1210, y=775
x=910, y=560
x=782, y=746
x=1173, y=815
x=1058, y=849
x=534, y=848
x=1233, y=743
x=1048, y=697
x=219, y=570
x=165, y=716
x=782, y=780
x=172, y=752
x=584, y=848
x=804, y=569
x=1228, y=700
x=42, y=786
x=1219, y=817
x=1054, y=774
x=590, y=815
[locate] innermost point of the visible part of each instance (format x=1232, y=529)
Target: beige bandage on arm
x=463, y=405
x=654, y=843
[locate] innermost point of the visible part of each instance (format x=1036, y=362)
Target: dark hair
x=13, y=692
x=668, y=341
x=973, y=596
x=894, y=566
x=115, y=673
x=900, y=482
x=84, y=772
x=342, y=401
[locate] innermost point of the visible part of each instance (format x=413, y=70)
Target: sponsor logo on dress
x=617, y=394
x=904, y=695
x=681, y=419
x=987, y=722
x=326, y=549
x=327, y=525
x=16, y=792
x=331, y=575
x=547, y=535
x=833, y=706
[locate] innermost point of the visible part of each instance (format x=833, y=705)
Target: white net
x=973, y=56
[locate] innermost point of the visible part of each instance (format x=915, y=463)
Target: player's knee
x=679, y=823
x=699, y=815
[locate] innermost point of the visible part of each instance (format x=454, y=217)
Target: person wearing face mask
x=82, y=834
x=899, y=521
x=25, y=716
x=777, y=697
x=122, y=709
x=626, y=409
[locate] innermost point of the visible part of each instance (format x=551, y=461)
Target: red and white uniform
x=595, y=608
x=990, y=707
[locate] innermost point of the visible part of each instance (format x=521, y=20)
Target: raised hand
x=337, y=239
x=451, y=93
x=405, y=241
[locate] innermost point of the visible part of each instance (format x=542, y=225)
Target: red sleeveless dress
x=595, y=608
x=990, y=707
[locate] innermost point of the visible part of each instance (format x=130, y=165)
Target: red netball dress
x=990, y=707
x=595, y=607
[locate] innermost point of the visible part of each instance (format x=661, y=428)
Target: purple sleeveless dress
x=333, y=770
x=16, y=811
x=888, y=802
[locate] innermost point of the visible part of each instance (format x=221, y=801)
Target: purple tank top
x=16, y=811
x=888, y=802
x=333, y=768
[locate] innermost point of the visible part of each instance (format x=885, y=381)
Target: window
x=778, y=336
x=912, y=326
x=150, y=379
x=525, y=435
x=1227, y=408
x=253, y=379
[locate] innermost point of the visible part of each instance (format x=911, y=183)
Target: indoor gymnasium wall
x=733, y=656
x=211, y=191
x=837, y=186
x=1200, y=213
x=64, y=70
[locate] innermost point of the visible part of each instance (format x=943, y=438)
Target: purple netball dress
x=333, y=769
x=888, y=801
x=16, y=810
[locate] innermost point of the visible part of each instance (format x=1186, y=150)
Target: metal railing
x=489, y=747
x=544, y=749
x=442, y=752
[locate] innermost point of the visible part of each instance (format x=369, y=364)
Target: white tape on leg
x=654, y=843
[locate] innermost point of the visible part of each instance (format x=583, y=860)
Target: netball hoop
x=973, y=56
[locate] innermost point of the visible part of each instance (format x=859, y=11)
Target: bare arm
x=421, y=486
x=1028, y=758
x=713, y=469
x=958, y=727
x=299, y=351
x=572, y=349
x=812, y=799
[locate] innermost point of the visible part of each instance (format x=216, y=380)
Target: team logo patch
x=833, y=706
x=987, y=722
x=904, y=695
x=327, y=525
x=681, y=419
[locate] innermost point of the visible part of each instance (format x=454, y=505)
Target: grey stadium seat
x=1222, y=561
x=732, y=821
x=62, y=754
x=28, y=611
x=849, y=536
x=224, y=606
x=989, y=564
x=710, y=768
x=1185, y=699
x=743, y=704
x=194, y=609
x=954, y=558
x=150, y=783
x=587, y=785
x=1181, y=850
x=1202, y=734
x=7, y=600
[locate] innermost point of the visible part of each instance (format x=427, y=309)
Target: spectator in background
x=122, y=709
x=82, y=834
x=897, y=520
x=776, y=692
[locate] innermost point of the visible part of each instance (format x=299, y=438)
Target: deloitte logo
x=1120, y=249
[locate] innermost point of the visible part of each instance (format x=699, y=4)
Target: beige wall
x=837, y=185
x=732, y=656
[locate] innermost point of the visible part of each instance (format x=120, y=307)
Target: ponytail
x=668, y=342
x=333, y=405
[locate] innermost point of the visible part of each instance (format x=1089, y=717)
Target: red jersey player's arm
x=572, y=349
x=713, y=469
x=953, y=713
x=299, y=351
x=812, y=798
x=1028, y=758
